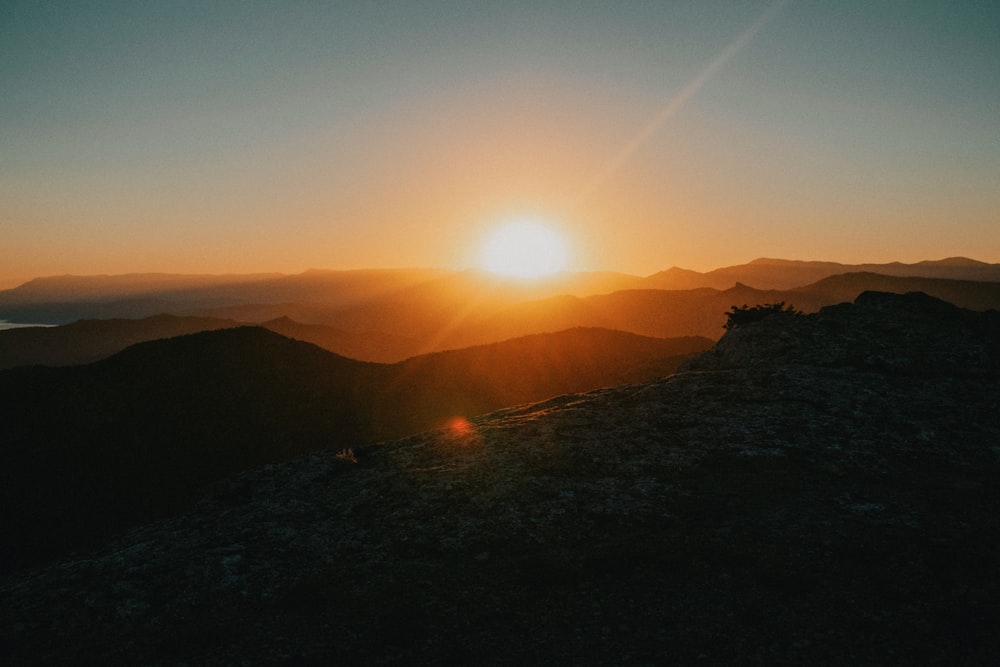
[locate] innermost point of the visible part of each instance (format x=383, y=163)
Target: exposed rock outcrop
x=909, y=334
x=818, y=489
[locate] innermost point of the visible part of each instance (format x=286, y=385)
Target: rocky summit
x=816, y=489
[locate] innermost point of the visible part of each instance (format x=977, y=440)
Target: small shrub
x=347, y=456
x=740, y=315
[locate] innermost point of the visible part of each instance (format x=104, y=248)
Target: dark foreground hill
x=90, y=450
x=817, y=490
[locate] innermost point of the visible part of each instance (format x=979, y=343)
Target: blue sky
x=261, y=136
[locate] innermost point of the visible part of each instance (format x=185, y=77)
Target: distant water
x=4, y=324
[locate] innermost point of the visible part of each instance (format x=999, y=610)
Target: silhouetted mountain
x=817, y=489
x=845, y=287
x=456, y=312
x=379, y=346
x=70, y=288
x=655, y=313
x=701, y=312
x=91, y=340
x=64, y=299
x=431, y=310
x=355, y=300
x=785, y=274
x=305, y=297
x=427, y=390
x=90, y=449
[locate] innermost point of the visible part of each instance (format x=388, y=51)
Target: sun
x=524, y=249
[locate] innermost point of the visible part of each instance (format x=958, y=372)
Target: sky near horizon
x=224, y=137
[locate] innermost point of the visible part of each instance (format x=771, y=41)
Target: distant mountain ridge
x=457, y=311
x=969, y=294
x=63, y=299
x=765, y=273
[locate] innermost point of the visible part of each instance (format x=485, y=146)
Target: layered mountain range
x=815, y=489
x=388, y=316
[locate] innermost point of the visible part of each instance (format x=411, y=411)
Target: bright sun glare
x=524, y=249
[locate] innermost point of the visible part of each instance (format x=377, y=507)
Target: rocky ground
x=817, y=489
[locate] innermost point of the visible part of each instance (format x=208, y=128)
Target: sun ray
x=679, y=100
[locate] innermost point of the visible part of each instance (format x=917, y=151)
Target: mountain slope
x=91, y=449
x=427, y=390
x=817, y=490
x=379, y=346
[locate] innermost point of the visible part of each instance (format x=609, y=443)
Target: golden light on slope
x=524, y=249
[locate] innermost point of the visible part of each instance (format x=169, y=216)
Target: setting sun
x=524, y=249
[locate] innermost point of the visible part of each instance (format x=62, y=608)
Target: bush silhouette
x=740, y=315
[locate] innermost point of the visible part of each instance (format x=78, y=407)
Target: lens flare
x=460, y=426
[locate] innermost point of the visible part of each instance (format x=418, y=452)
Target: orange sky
x=243, y=138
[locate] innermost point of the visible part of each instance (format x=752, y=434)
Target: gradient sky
x=210, y=137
